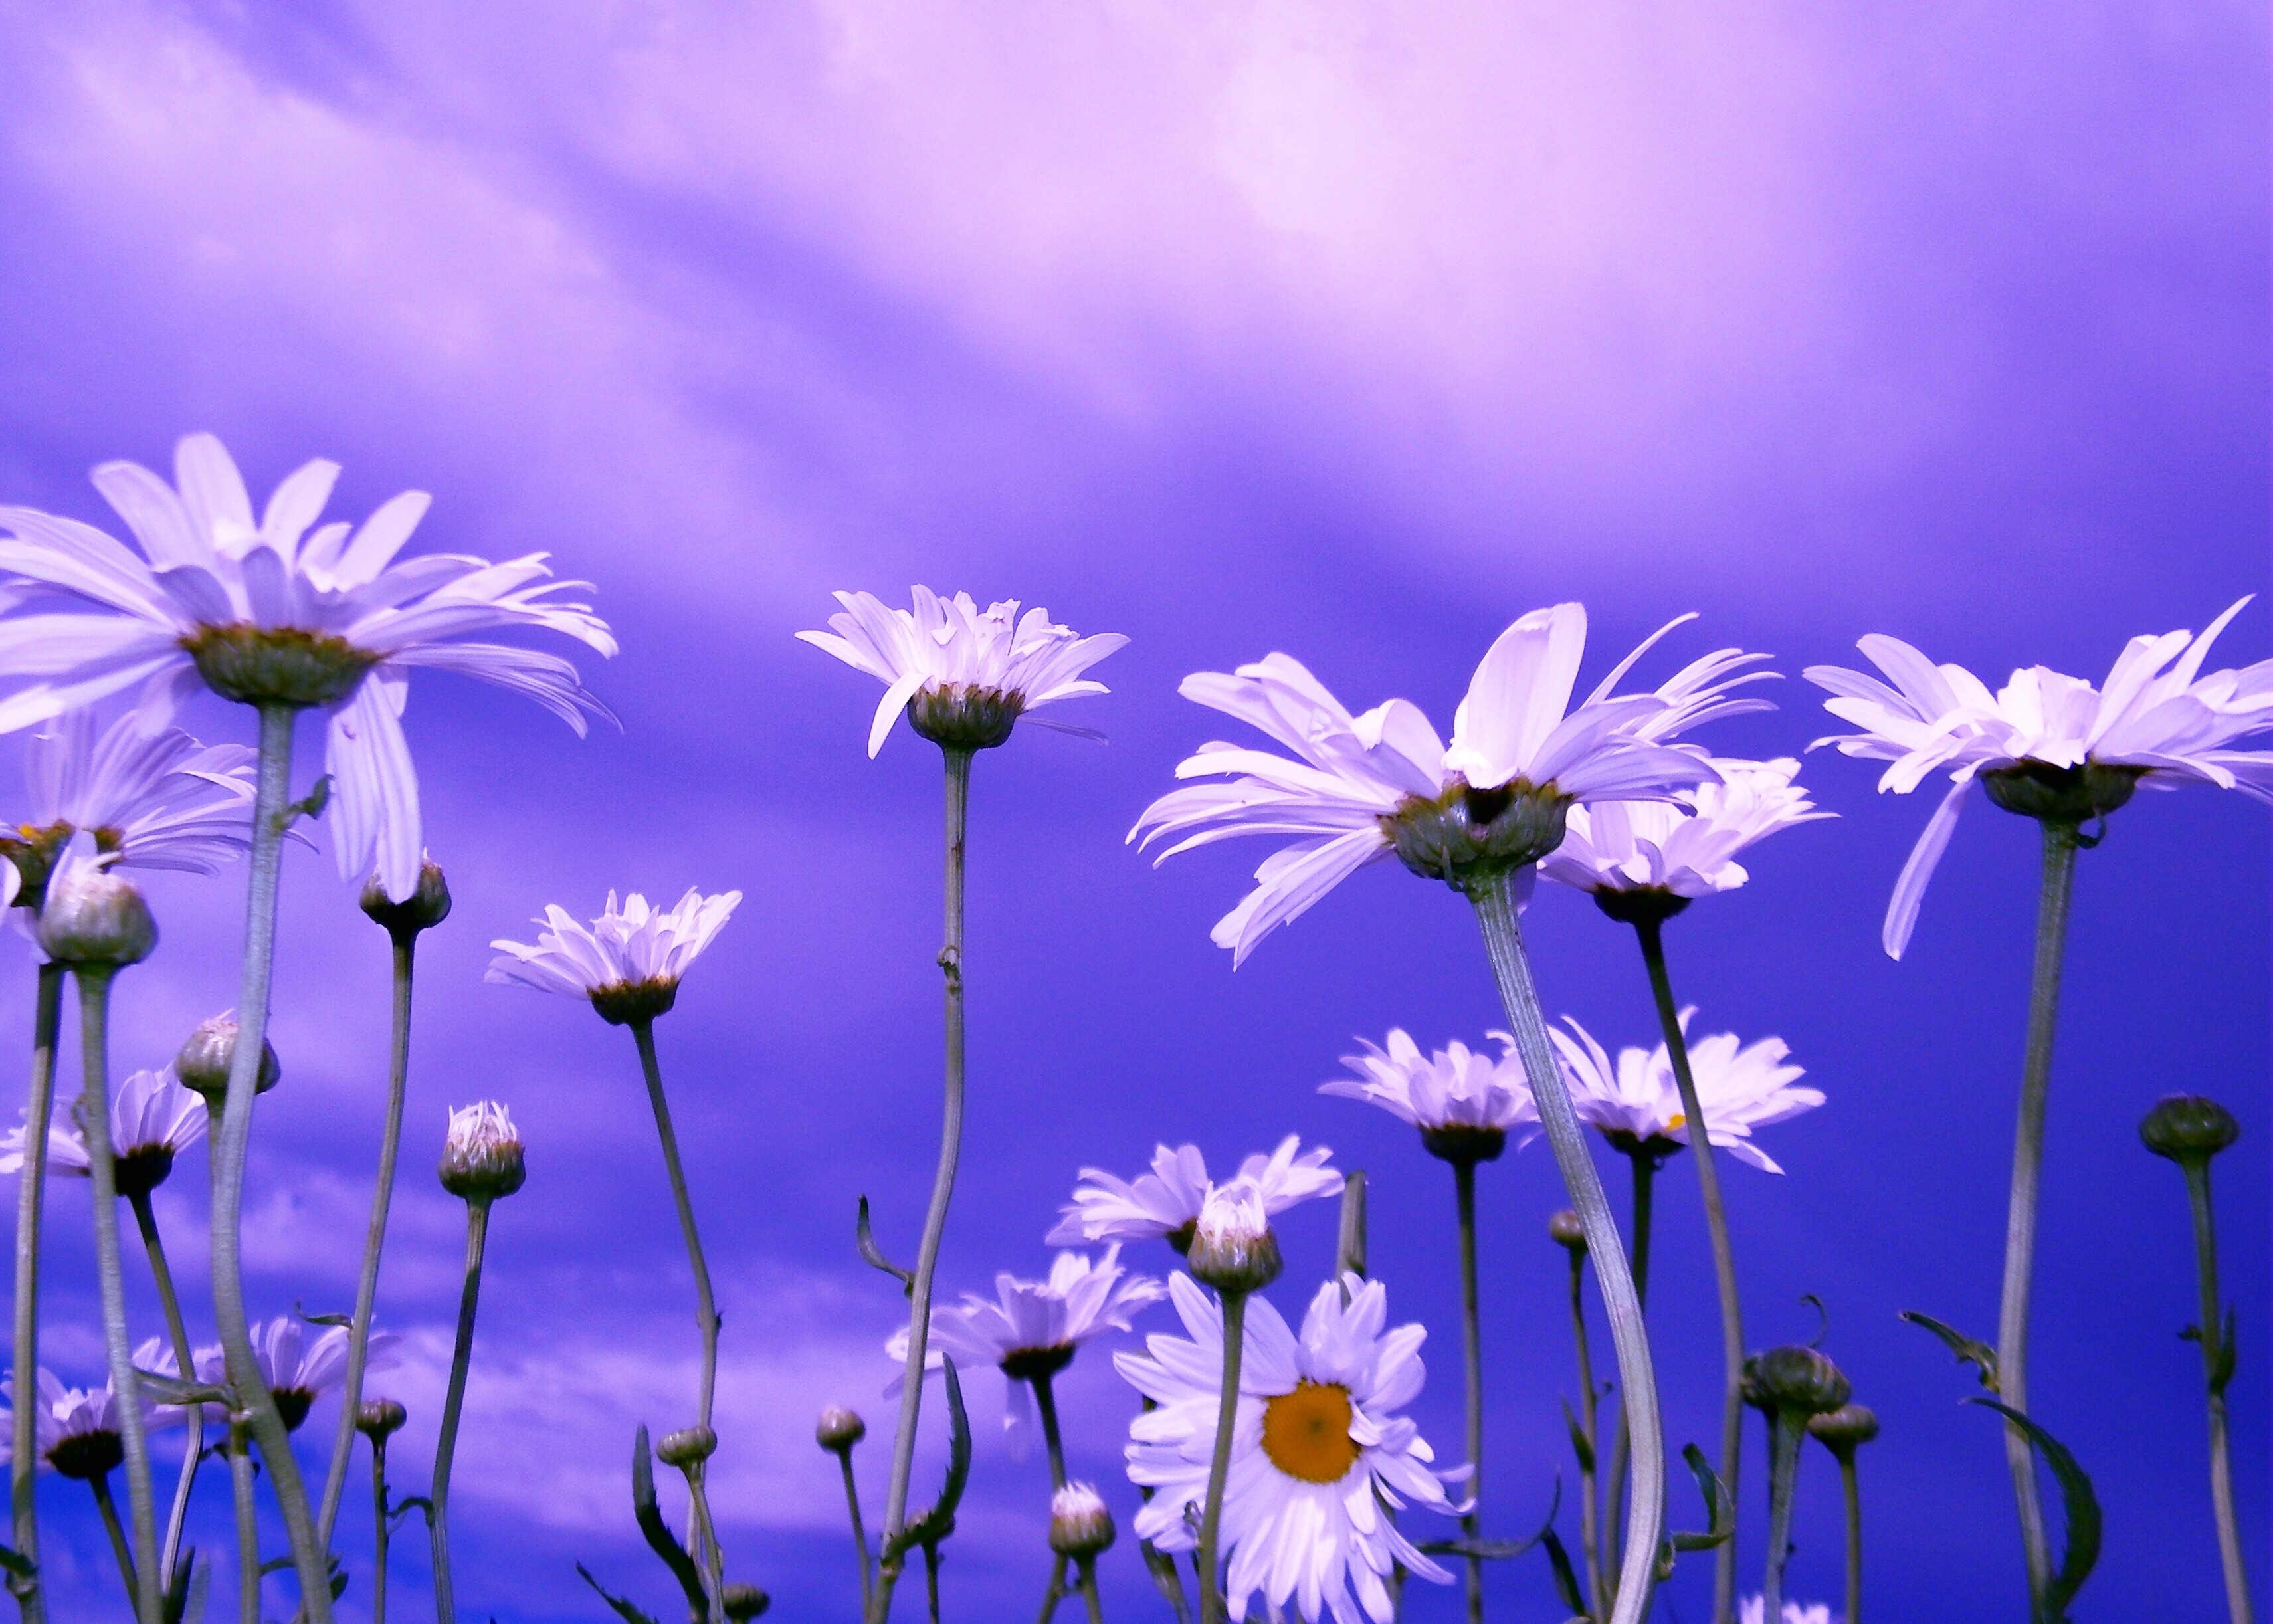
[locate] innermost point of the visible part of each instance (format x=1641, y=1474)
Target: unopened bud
x=482, y=1158
x=690, y=1445
x=743, y=1601
x=1798, y=1379
x=1233, y=1249
x=1846, y=1429
x=380, y=1418
x=207, y=1053
x=2188, y=1128
x=1080, y=1524
x=839, y=1429
x=94, y=917
x=427, y=906
x=1566, y=1230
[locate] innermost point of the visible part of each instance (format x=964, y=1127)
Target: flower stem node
x=1643, y=906
x=839, y=1430
x=1463, y=1143
x=2061, y=794
x=381, y=1418
x=1798, y=1379
x=277, y=666
x=1233, y=1249
x=743, y=1601
x=482, y=1159
x=92, y=917
x=1567, y=1231
x=1080, y=1523
x=626, y=1004
x=1468, y=837
x=2188, y=1129
x=1846, y=1429
x=690, y=1445
x=959, y=718
x=427, y=906
x=206, y=1053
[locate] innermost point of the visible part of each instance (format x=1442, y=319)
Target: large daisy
x=1635, y=1103
x=1166, y=1203
x=1319, y=1454
x=278, y=609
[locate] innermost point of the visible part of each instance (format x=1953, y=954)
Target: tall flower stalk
x=177, y=1331
x=379, y=1420
x=1792, y=1386
x=24, y=1454
x=1844, y=1430
x=1571, y=1235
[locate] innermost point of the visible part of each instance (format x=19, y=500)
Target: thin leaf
x=2079, y=1504
x=874, y=1254
x=341, y=1322
x=171, y=1391
x=1822, y=1315
x=1498, y=1549
x=1969, y=1351
x=938, y=1523
x=1719, y=1508
x=175, y=1602
x=1566, y=1581
x=624, y=1609
x=23, y=1575
x=1579, y=1447
x=659, y=1536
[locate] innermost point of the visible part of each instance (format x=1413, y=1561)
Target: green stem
x=1724, y=1258
x=859, y=1531
x=185, y=1360
x=1472, y=1347
x=126, y=1385
x=2060, y=844
x=248, y=1524
x=110, y=1509
x=931, y=1580
x=1597, y=1583
x=398, y=1072
x=445, y=1446
x=379, y=1530
x=950, y=1149
x=1087, y=1567
x=1851, y=1481
x=1784, y=1477
x=706, y=1537
x=1227, y=1420
x=2213, y=1332
x=232, y=1140
x=24, y=1450
x=1045, y=1401
x=1644, y=1166
x=1637, y=1380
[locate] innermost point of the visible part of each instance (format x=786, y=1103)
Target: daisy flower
x=628, y=962
x=1166, y=1203
x=299, y=1370
x=1754, y=1609
x=1358, y=787
x=1318, y=1448
x=153, y=1120
x=76, y=1429
x=1685, y=848
x=963, y=675
x=1463, y=1101
x=2051, y=746
x=1636, y=1104
x=270, y=611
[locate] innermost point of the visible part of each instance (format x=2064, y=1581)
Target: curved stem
x=445, y=1444
x=125, y=1384
x=1784, y=1475
x=1724, y=1258
x=379, y=1531
x=1644, y=1168
x=2214, y=1353
x=248, y=1524
x=1227, y=1420
x=184, y=1361
x=232, y=1140
x=1851, y=1480
x=398, y=1072
x=1597, y=1585
x=2060, y=844
x=706, y=1309
x=24, y=1450
x=950, y=1149
x=109, y=1509
x=859, y=1532
x=1637, y=1380
x=1472, y=1348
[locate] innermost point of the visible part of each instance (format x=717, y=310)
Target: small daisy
x=299, y=1371
x=1460, y=1099
x=1636, y=1104
x=1165, y=1204
x=1754, y=1609
x=76, y=1429
x=1318, y=1448
x=1686, y=847
x=628, y=962
x=153, y=1120
x=2046, y=744
x=963, y=675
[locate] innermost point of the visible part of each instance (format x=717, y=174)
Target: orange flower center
x=1306, y=1433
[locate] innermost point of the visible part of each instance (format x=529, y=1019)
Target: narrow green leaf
x=1579, y=1447
x=1720, y=1510
x=660, y=1539
x=624, y=1610
x=1566, y=1579
x=170, y=1391
x=1969, y=1350
x=935, y=1524
x=874, y=1254
x=2079, y=1504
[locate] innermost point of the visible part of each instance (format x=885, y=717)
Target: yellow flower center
x=1673, y=1123
x=1306, y=1433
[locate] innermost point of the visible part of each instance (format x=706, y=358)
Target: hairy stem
x=1785, y=1433
x=1597, y=1584
x=118, y=1547
x=1643, y=1167
x=1226, y=1418
x=950, y=1149
x=248, y=1524
x=2214, y=1353
x=185, y=1363
x=232, y=1140
x=2060, y=844
x=1637, y=1380
x=1472, y=1348
x=445, y=1444
x=398, y=1072
x=24, y=1451
x=1724, y=1258
x=1851, y=1480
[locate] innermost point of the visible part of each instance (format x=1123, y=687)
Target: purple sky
x=1349, y=332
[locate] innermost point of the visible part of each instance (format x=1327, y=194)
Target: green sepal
x=1969, y=1351
x=2079, y=1506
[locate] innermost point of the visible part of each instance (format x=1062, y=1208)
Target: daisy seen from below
x=153, y=1120
x=1166, y=1203
x=1635, y=1104
x=1462, y=1100
x=1685, y=847
x=628, y=962
x=77, y=1430
x=963, y=675
x=297, y=1368
x=1319, y=1454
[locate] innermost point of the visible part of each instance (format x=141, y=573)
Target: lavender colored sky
x=1346, y=331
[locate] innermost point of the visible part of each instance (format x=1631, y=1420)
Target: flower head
x=298, y=1369
x=963, y=676
x=91, y=916
x=1081, y=1523
x=1754, y=1609
x=1636, y=1104
x=1685, y=847
x=1359, y=787
x=153, y=1120
x=76, y=1429
x=628, y=962
x=1317, y=1438
x=1464, y=1101
x=482, y=1157
x=2046, y=744
x=1165, y=1203
x=270, y=611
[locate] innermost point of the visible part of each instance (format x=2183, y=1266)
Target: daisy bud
x=962, y=717
x=1846, y=1429
x=1798, y=1379
x=839, y=1429
x=1566, y=1230
x=482, y=1157
x=1233, y=1248
x=380, y=1418
x=427, y=906
x=94, y=917
x=743, y=1601
x=2061, y=794
x=2188, y=1129
x=690, y=1445
x=1080, y=1524
x=207, y=1053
